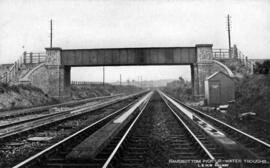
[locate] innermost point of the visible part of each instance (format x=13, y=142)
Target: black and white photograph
x=134, y=84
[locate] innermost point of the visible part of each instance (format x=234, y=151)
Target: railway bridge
x=53, y=76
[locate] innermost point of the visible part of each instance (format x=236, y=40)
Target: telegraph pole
x=141, y=81
x=120, y=80
x=103, y=60
x=51, y=35
x=103, y=76
x=229, y=32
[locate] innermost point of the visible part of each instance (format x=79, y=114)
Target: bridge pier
x=194, y=79
x=201, y=69
x=58, y=75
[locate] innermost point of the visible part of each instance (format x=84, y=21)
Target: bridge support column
x=58, y=75
x=202, y=69
x=194, y=74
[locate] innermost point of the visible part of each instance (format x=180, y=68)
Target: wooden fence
x=232, y=54
x=24, y=60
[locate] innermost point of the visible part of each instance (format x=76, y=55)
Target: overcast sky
x=149, y=23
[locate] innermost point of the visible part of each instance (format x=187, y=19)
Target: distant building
x=219, y=89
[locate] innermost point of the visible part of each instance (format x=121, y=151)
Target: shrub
x=263, y=68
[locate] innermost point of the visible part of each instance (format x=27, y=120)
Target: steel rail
x=69, y=138
x=224, y=124
x=187, y=128
x=3, y=126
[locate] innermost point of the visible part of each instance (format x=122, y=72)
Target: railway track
x=19, y=117
x=258, y=147
x=16, y=144
x=66, y=144
x=159, y=136
x=12, y=129
x=153, y=137
x=159, y=133
x=42, y=109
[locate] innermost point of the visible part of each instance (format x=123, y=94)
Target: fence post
x=240, y=55
x=252, y=67
x=235, y=53
x=15, y=65
x=20, y=61
x=15, y=68
x=31, y=58
x=6, y=77
x=241, y=59
x=24, y=57
x=38, y=57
